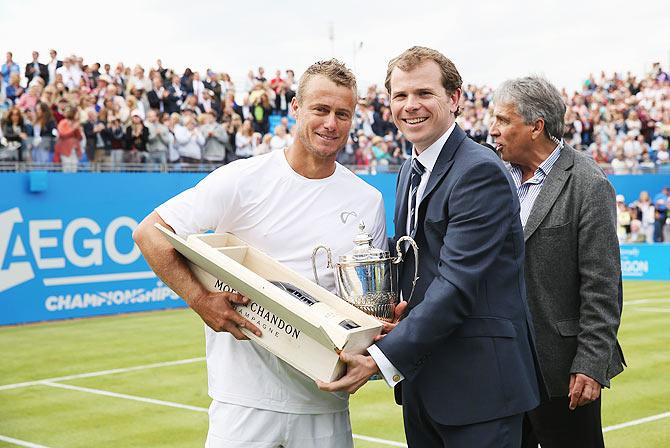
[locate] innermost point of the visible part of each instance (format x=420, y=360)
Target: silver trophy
x=367, y=277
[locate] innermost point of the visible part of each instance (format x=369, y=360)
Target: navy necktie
x=415, y=179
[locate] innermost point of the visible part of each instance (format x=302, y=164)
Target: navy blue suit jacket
x=466, y=345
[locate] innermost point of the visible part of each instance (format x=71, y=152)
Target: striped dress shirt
x=529, y=190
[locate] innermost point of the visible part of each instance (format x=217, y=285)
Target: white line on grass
x=643, y=301
x=21, y=442
x=649, y=309
x=125, y=396
x=639, y=421
x=356, y=436
x=102, y=372
x=172, y=404
x=52, y=382
x=380, y=441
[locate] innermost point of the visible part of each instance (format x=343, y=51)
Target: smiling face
x=323, y=117
x=422, y=109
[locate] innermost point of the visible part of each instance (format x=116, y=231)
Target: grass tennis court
x=140, y=381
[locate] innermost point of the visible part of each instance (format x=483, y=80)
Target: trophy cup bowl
x=367, y=277
x=369, y=286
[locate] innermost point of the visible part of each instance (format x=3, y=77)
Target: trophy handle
x=329, y=265
x=398, y=259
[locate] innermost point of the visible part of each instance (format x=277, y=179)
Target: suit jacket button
x=396, y=378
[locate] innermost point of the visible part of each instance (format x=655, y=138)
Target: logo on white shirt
x=344, y=216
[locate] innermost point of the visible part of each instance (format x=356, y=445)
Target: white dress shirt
x=51, y=66
x=428, y=157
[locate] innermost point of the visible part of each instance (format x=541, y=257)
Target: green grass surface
x=57, y=417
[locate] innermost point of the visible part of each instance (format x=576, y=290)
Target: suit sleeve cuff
x=391, y=375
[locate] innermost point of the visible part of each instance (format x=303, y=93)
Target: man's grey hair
x=534, y=97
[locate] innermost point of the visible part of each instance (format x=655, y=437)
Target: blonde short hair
x=331, y=69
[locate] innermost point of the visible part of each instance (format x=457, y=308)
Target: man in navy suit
x=463, y=356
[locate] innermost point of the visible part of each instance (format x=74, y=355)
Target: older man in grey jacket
x=572, y=264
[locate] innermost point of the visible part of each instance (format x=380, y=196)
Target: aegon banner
x=645, y=261
x=64, y=257
x=66, y=248
x=67, y=251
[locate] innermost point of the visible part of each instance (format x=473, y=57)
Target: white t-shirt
x=267, y=204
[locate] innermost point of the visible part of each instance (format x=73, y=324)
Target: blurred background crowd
x=122, y=114
x=75, y=114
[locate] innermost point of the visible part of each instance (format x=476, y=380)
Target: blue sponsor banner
x=66, y=249
x=645, y=261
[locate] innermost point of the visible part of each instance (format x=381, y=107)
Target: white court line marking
x=643, y=301
x=639, y=421
x=125, y=396
x=355, y=436
x=380, y=441
x=82, y=279
x=183, y=406
x=102, y=372
x=652, y=310
x=51, y=382
x=21, y=442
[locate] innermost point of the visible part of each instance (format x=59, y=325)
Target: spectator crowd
x=645, y=220
x=71, y=112
x=622, y=122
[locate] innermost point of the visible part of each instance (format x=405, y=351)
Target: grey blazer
x=573, y=274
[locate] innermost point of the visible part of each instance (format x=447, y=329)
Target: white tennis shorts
x=233, y=426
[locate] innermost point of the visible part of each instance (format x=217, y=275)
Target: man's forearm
x=168, y=264
x=216, y=309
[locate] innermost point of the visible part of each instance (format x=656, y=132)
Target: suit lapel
x=444, y=161
x=552, y=187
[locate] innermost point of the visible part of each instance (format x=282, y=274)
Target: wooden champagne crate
x=306, y=328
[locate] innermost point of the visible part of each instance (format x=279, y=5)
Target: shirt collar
x=542, y=170
x=428, y=156
x=548, y=163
